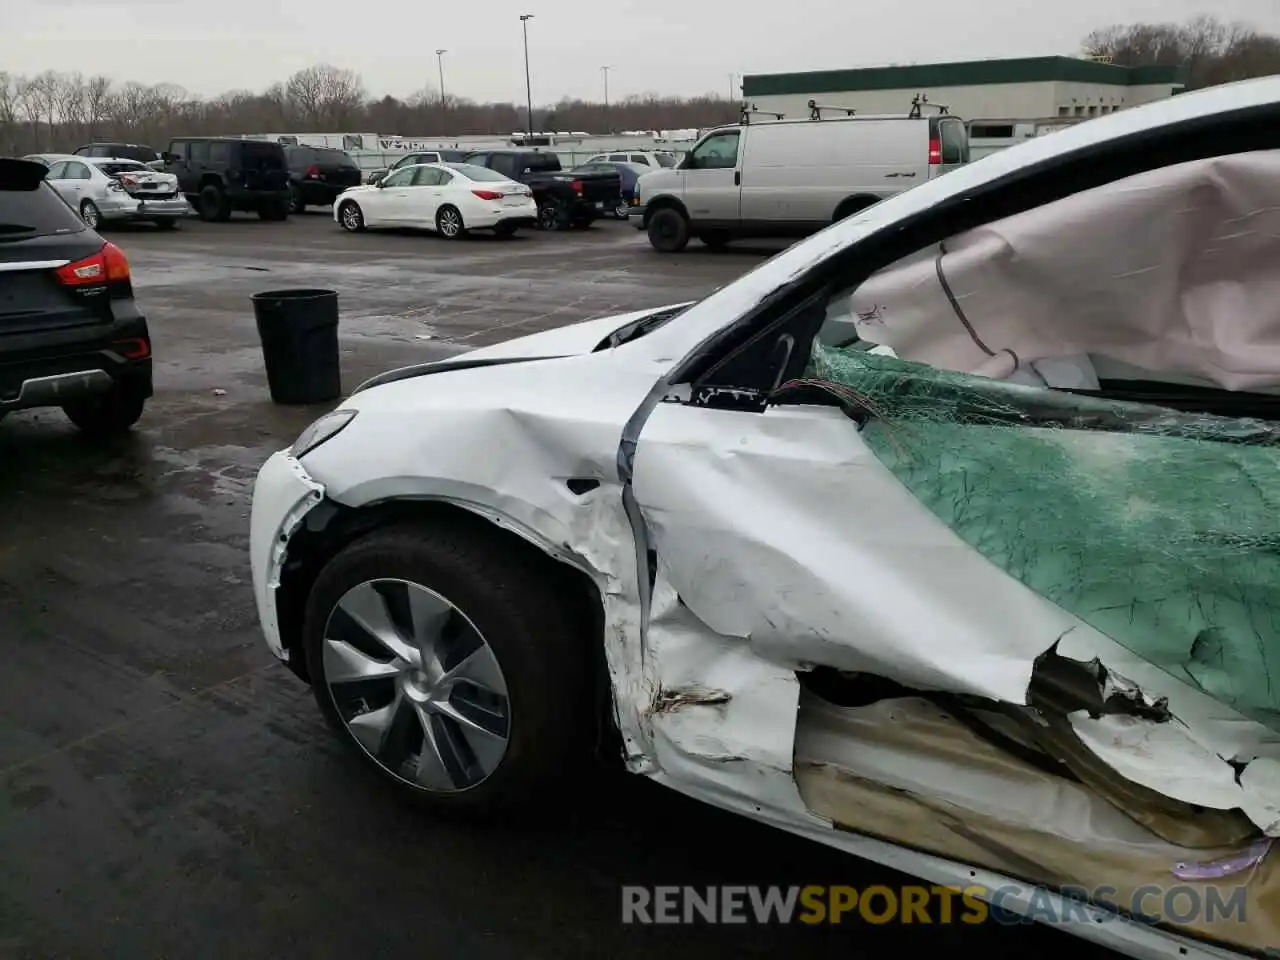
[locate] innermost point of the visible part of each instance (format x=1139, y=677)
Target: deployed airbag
x=1173, y=270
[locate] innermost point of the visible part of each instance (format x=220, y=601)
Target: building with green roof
x=977, y=90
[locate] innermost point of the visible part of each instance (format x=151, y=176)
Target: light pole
x=443, y=103
x=605, y=71
x=528, y=86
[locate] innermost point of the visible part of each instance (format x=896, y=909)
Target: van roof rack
x=749, y=108
x=815, y=110
x=921, y=100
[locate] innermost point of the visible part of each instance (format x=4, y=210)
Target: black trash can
x=299, y=334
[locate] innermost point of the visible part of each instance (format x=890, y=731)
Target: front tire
x=440, y=655
x=449, y=223
x=668, y=230
x=107, y=414
x=214, y=206
x=350, y=216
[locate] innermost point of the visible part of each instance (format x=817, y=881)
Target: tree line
x=59, y=111
x=55, y=111
x=1209, y=50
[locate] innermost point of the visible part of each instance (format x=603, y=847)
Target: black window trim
x=752, y=341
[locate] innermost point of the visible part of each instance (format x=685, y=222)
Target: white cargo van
x=792, y=177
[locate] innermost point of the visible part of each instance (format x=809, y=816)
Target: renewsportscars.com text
x=816, y=904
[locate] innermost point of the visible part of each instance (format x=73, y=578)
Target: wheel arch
x=664, y=202
x=330, y=527
x=853, y=204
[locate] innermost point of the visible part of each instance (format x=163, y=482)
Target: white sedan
x=449, y=198
x=984, y=588
x=113, y=189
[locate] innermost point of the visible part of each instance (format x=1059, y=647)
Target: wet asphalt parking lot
x=167, y=790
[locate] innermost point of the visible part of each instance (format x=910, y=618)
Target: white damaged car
x=949, y=537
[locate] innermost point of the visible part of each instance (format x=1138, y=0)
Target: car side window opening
x=77, y=171
x=718, y=152
x=426, y=177
x=219, y=153
x=1062, y=402
x=58, y=171
x=178, y=152
x=198, y=151
x=640, y=159
x=401, y=178
x=444, y=178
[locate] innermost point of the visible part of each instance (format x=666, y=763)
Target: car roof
x=111, y=160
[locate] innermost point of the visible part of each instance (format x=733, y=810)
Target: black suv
x=317, y=175
x=221, y=174
x=119, y=151
x=71, y=334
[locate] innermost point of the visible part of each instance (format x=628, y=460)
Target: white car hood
x=571, y=340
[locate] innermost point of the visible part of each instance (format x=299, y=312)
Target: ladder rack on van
x=921, y=100
x=815, y=110
x=749, y=109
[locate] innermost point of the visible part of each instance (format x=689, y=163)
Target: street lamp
x=528, y=87
x=605, y=71
x=443, y=103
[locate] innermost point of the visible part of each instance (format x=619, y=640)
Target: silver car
x=110, y=189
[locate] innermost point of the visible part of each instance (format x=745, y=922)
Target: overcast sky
x=685, y=47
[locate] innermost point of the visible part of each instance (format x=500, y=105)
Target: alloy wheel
x=450, y=223
x=351, y=217
x=417, y=686
x=89, y=212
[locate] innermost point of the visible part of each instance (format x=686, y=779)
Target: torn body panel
x=505, y=442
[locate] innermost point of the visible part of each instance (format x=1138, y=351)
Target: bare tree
x=304, y=93
x=97, y=101
x=1209, y=50
x=68, y=92
x=341, y=96
x=12, y=92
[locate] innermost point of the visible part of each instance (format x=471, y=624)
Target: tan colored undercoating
x=1029, y=850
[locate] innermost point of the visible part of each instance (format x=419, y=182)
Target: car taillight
x=108, y=265
x=136, y=348
x=577, y=187
x=488, y=194
x=935, y=151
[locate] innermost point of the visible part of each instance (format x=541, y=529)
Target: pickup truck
x=564, y=199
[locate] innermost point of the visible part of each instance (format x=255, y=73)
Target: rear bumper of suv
x=49, y=369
